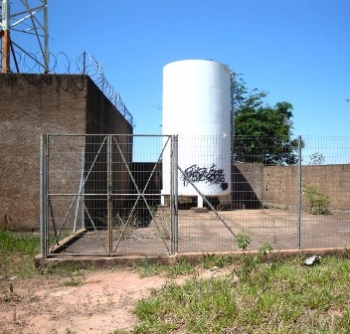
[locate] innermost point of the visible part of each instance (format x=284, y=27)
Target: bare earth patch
x=94, y=302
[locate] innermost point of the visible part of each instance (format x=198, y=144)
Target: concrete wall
x=280, y=184
x=30, y=105
x=247, y=185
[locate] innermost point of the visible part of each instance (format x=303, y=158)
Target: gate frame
x=45, y=195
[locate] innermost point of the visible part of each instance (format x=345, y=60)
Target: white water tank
x=197, y=106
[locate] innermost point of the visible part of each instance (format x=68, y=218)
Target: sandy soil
x=101, y=303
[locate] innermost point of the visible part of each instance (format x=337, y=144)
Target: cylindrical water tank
x=197, y=106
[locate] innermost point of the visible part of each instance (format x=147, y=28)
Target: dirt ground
x=96, y=302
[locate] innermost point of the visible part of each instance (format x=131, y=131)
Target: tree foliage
x=262, y=133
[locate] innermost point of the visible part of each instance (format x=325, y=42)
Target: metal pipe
x=171, y=198
x=43, y=197
x=46, y=39
x=299, y=193
x=5, y=36
x=81, y=197
x=82, y=189
x=176, y=197
x=109, y=196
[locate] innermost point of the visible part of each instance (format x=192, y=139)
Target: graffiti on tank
x=212, y=175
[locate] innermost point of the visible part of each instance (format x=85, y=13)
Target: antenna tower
x=24, y=35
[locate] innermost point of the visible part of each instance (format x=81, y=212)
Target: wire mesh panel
x=97, y=195
x=204, y=184
x=154, y=195
x=325, y=190
x=301, y=191
x=256, y=206
x=284, y=195
x=65, y=182
x=139, y=224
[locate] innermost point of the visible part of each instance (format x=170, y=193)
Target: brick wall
x=280, y=184
x=254, y=185
x=30, y=105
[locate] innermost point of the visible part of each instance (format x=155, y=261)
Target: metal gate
x=100, y=197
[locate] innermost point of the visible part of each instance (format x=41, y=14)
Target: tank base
x=197, y=202
x=225, y=200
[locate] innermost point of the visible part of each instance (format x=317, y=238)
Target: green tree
x=262, y=133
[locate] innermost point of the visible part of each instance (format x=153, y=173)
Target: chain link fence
x=113, y=195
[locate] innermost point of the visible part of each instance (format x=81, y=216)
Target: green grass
x=20, y=243
x=180, y=268
x=276, y=297
x=256, y=297
x=17, y=251
x=213, y=260
x=202, y=305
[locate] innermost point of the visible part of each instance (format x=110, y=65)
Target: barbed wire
x=60, y=63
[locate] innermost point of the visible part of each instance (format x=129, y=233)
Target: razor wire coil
x=60, y=63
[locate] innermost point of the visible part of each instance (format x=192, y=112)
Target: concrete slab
x=204, y=232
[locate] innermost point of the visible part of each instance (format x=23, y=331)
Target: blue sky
x=297, y=50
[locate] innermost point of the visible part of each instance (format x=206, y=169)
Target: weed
x=64, y=268
x=181, y=267
x=72, y=282
x=17, y=251
x=319, y=203
x=246, y=264
x=21, y=243
x=149, y=268
x=265, y=248
x=344, y=321
x=243, y=240
x=214, y=260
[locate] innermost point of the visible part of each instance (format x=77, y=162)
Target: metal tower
x=24, y=35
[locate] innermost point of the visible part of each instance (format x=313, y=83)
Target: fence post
x=175, y=201
x=82, y=198
x=84, y=62
x=109, y=196
x=43, y=195
x=299, y=192
x=171, y=198
x=173, y=195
